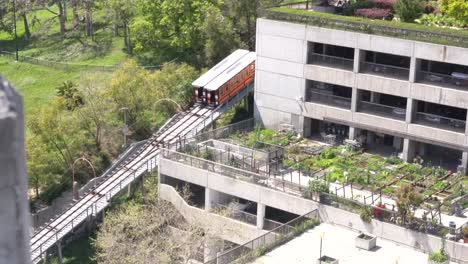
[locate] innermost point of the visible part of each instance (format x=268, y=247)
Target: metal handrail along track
x=150, y=147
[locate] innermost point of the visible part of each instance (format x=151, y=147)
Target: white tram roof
x=219, y=68
x=231, y=71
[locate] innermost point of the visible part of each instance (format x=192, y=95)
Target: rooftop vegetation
x=429, y=29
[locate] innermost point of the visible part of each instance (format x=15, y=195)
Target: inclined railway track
x=91, y=203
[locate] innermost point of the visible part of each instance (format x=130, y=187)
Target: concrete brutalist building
x=14, y=209
x=394, y=95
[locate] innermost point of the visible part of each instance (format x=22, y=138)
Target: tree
x=409, y=10
x=220, y=37
x=76, y=18
x=178, y=21
x=124, y=12
x=60, y=14
x=88, y=7
x=407, y=201
x=457, y=9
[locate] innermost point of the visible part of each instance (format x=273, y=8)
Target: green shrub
x=366, y=215
x=409, y=10
x=316, y=186
x=439, y=256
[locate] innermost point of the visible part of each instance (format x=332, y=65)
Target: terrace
x=342, y=176
x=328, y=94
x=307, y=13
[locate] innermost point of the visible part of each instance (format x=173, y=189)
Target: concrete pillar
x=355, y=98
x=352, y=133
x=411, y=108
x=212, y=247
x=59, y=252
x=409, y=150
x=129, y=189
x=14, y=206
x=307, y=131
x=211, y=198
x=464, y=163
x=375, y=98
x=359, y=55
x=260, y=215
x=397, y=141
x=415, y=67
x=370, y=138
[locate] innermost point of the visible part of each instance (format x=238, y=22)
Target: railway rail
x=95, y=201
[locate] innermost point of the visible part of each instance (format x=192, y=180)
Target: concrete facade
x=282, y=71
x=14, y=207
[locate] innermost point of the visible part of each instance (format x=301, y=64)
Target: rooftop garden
x=342, y=165
x=440, y=22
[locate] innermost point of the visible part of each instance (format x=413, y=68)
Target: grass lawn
x=36, y=82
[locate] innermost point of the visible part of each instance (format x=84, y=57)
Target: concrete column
x=211, y=248
x=411, y=108
x=59, y=252
x=375, y=98
x=14, y=206
x=409, y=150
x=355, y=98
x=260, y=215
x=359, y=55
x=464, y=163
x=307, y=131
x=415, y=66
x=211, y=197
x=352, y=133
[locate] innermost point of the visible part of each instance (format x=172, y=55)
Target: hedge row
x=395, y=29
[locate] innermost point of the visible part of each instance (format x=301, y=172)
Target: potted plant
x=327, y=260
x=316, y=189
x=439, y=257
x=465, y=234
x=367, y=242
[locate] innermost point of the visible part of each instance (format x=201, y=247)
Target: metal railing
x=382, y=110
x=316, y=96
x=284, y=232
x=385, y=70
x=304, y=5
x=442, y=80
x=330, y=61
x=235, y=214
x=441, y=122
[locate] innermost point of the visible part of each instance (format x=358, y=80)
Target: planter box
x=366, y=242
x=327, y=260
x=434, y=262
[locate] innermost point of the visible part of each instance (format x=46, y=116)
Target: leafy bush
x=374, y=13
x=366, y=215
x=439, y=256
x=409, y=10
x=358, y=4
x=439, y=20
x=316, y=186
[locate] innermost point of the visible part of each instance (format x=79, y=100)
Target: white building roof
x=219, y=68
x=231, y=71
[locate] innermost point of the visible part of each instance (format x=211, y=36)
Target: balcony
x=383, y=110
x=441, y=122
x=385, y=70
x=320, y=97
x=455, y=81
x=331, y=61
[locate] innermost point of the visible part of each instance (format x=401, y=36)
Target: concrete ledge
x=438, y=135
x=439, y=95
x=384, y=85
x=379, y=121
x=320, y=111
x=329, y=75
x=226, y=228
